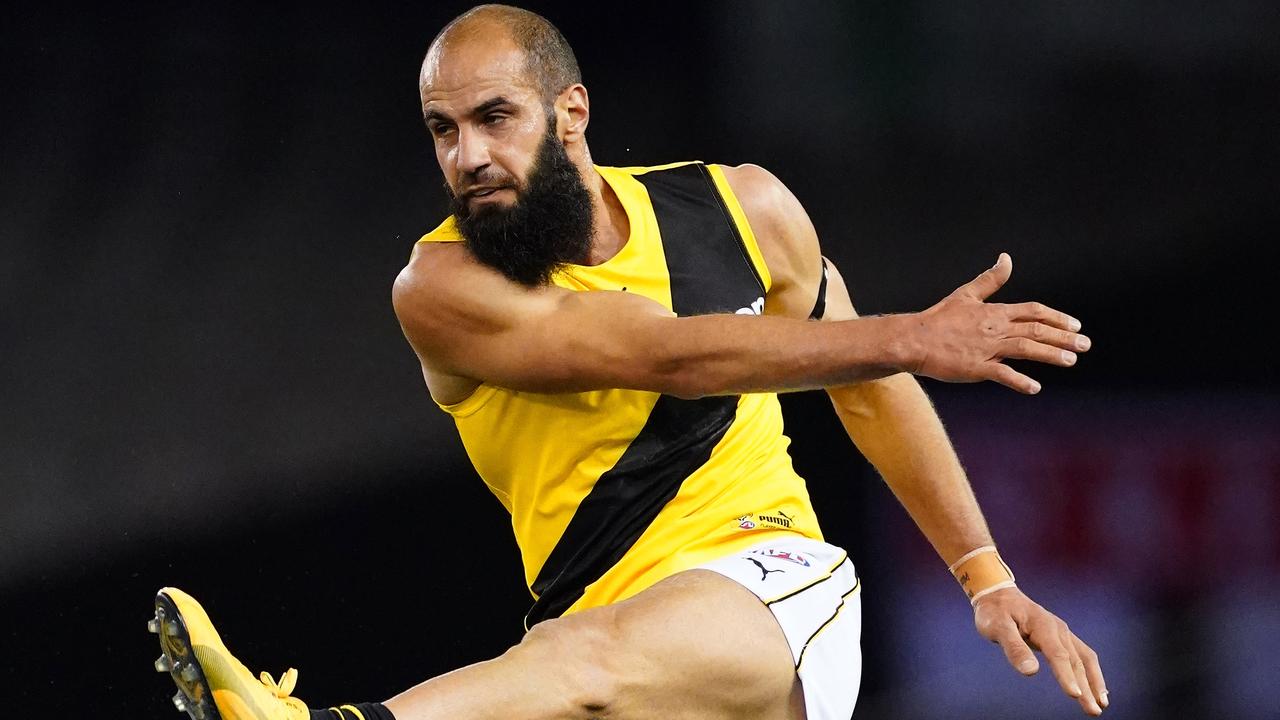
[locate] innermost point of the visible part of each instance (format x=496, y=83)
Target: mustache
x=485, y=179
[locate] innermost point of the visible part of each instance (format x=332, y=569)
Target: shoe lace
x=283, y=688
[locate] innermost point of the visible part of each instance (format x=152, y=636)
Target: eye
x=495, y=118
x=439, y=129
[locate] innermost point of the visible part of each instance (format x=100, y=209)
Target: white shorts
x=813, y=591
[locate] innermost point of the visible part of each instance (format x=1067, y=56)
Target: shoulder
x=777, y=218
x=785, y=234
x=764, y=198
x=430, y=263
x=751, y=179
x=440, y=281
x=444, y=287
x=432, y=258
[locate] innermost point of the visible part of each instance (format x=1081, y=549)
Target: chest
x=684, y=250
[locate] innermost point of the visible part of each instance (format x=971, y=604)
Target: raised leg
x=696, y=645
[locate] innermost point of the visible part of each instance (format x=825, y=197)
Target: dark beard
x=548, y=226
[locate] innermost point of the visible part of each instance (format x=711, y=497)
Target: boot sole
x=194, y=696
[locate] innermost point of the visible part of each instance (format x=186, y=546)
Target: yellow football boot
x=212, y=684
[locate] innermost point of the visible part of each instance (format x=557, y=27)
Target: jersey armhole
x=471, y=404
x=820, y=305
x=744, y=227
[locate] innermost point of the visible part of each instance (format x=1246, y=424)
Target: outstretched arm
x=467, y=321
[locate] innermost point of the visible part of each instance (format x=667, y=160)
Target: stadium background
x=202, y=209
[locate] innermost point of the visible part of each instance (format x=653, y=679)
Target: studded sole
x=194, y=696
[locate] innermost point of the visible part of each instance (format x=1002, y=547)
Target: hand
x=1011, y=620
x=964, y=338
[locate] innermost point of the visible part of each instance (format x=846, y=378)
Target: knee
x=588, y=659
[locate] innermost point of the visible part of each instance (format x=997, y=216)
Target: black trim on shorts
x=819, y=581
x=857, y=583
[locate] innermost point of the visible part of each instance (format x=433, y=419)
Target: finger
x=1016, y=651
x=991, y=280
x=1021, y=348
x=1013, y=379
x=1043, y=313
x=1092, y=669
x=1087, y=701
x=1045, y=333
x=1058, y=657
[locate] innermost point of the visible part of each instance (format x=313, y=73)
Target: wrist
x=902, y=344
x=981, y=572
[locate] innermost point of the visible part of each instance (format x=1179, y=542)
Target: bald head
x=507, y=113
x=548, y=60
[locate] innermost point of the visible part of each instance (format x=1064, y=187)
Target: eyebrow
x=480, y=109
x=488, y=105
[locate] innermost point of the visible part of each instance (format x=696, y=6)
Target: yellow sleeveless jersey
x=611, y=491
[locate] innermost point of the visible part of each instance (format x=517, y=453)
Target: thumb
x=991, y=280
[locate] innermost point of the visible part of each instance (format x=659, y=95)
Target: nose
x=473, y=151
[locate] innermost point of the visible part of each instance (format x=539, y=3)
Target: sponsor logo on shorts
x=746, y=523
x=764, y=572
x=792, y=557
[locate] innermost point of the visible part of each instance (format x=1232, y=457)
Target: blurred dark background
x=202, y=382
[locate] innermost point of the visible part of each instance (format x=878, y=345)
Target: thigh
x=697, y=645
x=812, y=589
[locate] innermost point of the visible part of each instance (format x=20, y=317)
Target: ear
x=573, y=112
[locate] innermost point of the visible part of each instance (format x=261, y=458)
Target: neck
x=612, y=227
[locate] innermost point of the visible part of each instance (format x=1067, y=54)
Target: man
x=609, y=341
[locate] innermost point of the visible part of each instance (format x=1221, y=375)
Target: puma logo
x=780, y=519
x=764, y=573
x=756, y=308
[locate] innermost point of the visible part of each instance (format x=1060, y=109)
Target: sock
x=361, y=711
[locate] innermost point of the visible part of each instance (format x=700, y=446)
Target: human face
x=485, y=115
x=547, y=227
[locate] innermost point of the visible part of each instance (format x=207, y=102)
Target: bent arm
x=895, y=426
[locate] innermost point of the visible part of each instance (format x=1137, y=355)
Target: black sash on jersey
x=710, y=272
